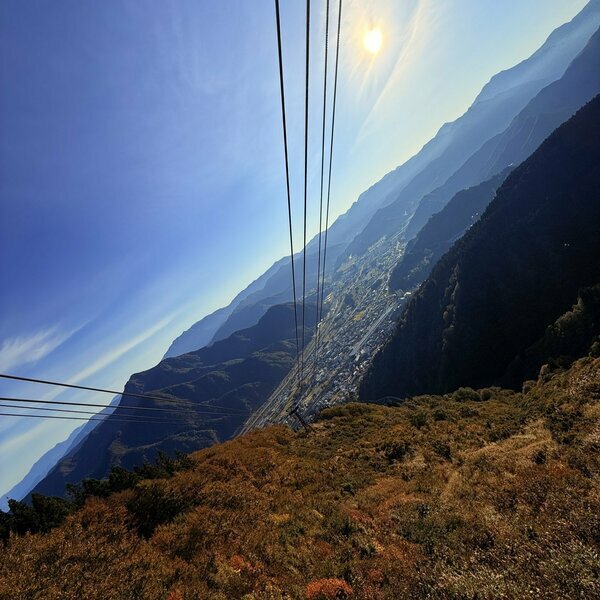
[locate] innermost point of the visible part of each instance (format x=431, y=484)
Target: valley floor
x=476, y=494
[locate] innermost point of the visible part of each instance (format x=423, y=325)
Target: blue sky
x=141, y=170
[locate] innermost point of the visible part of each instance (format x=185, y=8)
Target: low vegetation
x=476, y=494
x=43, y=513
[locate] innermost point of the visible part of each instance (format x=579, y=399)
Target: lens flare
x=372, y=40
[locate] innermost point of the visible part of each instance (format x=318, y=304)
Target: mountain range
x=49, y=459
x=235, y=374
x=513, y=274
x=387, y=206
x=553, y=105
x=499, y=102
x=441, y=231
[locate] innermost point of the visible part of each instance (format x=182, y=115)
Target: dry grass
x=472, y=495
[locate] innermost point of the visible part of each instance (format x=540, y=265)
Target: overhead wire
x=121, y=406
x=335, y=83
x=135, y=418
x=322, y=178
x=320, y=303
x=28, y=416
x=287, y=177
x=114, y=392
x=306, y=116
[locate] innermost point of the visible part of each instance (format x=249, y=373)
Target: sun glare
x=373, y=40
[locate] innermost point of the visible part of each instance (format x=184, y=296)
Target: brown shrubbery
x=488, y=494
x=328, y=589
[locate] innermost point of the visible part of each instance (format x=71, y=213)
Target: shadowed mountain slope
x=511, y=275
x=441, y=231
x=236, y=373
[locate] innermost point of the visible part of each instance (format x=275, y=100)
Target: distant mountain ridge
x=553, y=105
x=559, y=41
x=494, y=108
x=441, y=231
x=202, y=332
x=57, y=453
x=516, y=271
x=237, y=373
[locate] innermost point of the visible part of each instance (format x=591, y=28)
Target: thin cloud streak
x=27, y=349
x=115, y=353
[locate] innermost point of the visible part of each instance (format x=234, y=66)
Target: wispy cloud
x=115, y=353
x=19, y=440
x=27, y=349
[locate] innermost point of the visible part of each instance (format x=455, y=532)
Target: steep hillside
x=551, y=107
x=50, y=459
x=513, y=273
x=499, y=101
x=491, y=113
x=477, y=494
x=237, y=373
x=42, y=466
x=441, y=231
x=569, y=337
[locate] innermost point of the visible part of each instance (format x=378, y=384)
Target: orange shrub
x=328, y=589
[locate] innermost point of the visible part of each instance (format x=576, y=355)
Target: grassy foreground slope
x=475, y=494
x=517, y=269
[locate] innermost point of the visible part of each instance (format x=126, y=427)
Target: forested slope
x=237, y=373
x=510, y=276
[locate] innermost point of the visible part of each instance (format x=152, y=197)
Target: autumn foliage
x=328, y=589
x=476, y=494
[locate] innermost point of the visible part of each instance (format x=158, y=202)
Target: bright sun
x=373, y=40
